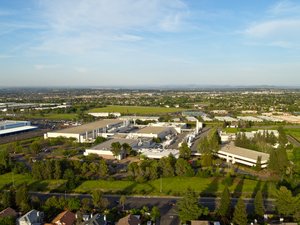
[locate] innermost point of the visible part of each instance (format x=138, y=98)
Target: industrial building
x=88, y=132
x=153, y=132
x=11, y=127
x=234, y=154
x=105, y=150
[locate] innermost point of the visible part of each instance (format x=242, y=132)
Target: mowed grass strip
x=178, y=185
x=139, y=110
x=17, y=179
x=295, y=132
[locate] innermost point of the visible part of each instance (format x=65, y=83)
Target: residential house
x=8, y=212
x=33, y=217
x=129, y=220
x=97, y=219
x=64, y=218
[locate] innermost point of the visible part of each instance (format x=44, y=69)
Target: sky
x=149, y=42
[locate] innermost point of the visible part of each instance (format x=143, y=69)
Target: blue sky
x=149, y=42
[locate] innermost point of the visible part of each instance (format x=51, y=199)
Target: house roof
x=199, y=222
x=96, y=220
x=8, y=212
x=89, y=126
x=66, y=217
x=129, y=220
x=33, y=216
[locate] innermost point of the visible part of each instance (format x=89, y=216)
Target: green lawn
x=139, y=110
x=176, y=186
x=17, y=179
x=295, y=132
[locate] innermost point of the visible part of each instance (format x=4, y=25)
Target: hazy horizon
x=109, y=43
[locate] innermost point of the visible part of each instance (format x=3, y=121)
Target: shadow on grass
x=237, y=192
x=256, y=189
x=265, y=190
x=212, y=189
x=38, y=186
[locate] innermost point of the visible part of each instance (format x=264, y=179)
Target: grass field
x=54, y=116
x=17, y=179
x=295, y=132
x=178, y=185
x=139, y=110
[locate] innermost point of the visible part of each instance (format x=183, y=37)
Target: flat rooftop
x=243, y=152
x=89, y=126
x=9, y=122
x=151, y=130
x=17, y=129
x=107, y=144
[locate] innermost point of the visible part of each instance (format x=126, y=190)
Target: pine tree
x=240, y=214
x=259, y=204
x=224, y=207
x=189, y=208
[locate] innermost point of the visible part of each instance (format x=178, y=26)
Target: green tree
x=122, y=201
x=103, y=169
x=166, y=167
x=57, y=170
x=285, y=203
x=22, y=198
x=240, y=214
x=258, y=163
x=183, y=168
x=6, y=199
x=35, y=147
x=7, y=220
x=189, y=208
x=184, y=151
x=73, y=204
x=116, y=148
x=98, y=200
x=127, y=148
x=99, y=140
x=155, y=213
x=259, y=204
x=5, y=159
x=86, y=204
x=224, y=207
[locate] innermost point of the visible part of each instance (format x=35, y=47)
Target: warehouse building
x=234, y=154
x=11, y=127
x=88, y=132
x=153, y=132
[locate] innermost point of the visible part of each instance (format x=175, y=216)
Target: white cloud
x=285, y=7
x=90, y=24
x=280, y=26
x=45, y=66
x=283, y=27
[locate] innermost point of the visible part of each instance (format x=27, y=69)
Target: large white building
x=153, y=132
x=234, y=154
x=88, y=132
x=11, y=126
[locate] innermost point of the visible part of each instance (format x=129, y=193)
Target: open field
x=17, y=179
x=295, y=132
x=178, y=185
x=139, y=110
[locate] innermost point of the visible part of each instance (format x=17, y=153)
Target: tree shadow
x=256, y=189
x=237, y=192
x=265, y=190
x=212, y=189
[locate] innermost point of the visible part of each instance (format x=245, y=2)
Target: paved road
x=165, y=204
x=203, y=133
